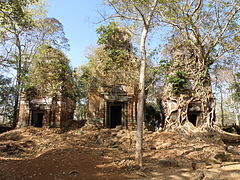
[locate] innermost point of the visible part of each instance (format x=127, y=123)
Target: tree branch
x=223, y=30
x=141, y=14
x=115, y=16
x=199, y=6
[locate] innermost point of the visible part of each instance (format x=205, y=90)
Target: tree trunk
x=235, y=110
x=19, y=82
x=235, y=104
x=236, y=116
x=221, y=104
x=141, y=95
x=141, y=100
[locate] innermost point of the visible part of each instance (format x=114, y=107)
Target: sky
x=79, y=19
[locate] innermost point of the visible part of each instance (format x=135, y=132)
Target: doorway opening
x=37, y=119
x=115, y=115
x=192, y=117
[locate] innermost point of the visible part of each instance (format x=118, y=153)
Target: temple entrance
x=192, y=117
x=37, y=118
x=114, y=115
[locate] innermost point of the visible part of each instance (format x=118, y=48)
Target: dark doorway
x=192, y=117
x=37, y=120
x=115, y=115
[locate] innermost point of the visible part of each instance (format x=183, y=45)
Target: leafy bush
x=178, y=81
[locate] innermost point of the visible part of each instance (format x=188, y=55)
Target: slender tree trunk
x=221, y=104
x=4, y=114
x=141, y=100
x=236, y=116
x=221, y=98
x=235, y=104
x=141, y=94
x=235, y=110
x=19, y=77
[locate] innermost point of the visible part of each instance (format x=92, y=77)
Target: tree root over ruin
x=188, y=130
x=227, y=137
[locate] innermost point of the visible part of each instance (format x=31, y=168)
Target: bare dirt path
x=95, y=154
x=73, y=164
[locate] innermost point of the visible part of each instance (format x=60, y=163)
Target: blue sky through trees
x=78, y=19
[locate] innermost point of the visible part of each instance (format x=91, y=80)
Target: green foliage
x=14, y=12
x=114, y=61
x=83, y=79
x=82, y=76
x=111, y=36
x=7, y=94
x=153, y=116
x=178, y=81
x=51, y=75
x=20, y=40
x=116, y=42
x=155, y=77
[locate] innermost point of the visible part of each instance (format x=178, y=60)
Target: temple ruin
x=113, y=106
x=188, y=95
x=49, y=99
x=112, y=95
x=46, y=112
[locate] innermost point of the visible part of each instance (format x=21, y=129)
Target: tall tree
x=204, y=31
x=24, y=30
x=141, y=13
x=15, y=19
x=223, y=73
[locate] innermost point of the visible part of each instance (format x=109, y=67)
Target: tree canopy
x=114, y=61
x=14, y=11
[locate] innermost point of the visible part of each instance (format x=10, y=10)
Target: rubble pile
x=181, y=147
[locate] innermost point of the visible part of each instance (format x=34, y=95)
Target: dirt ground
x=95, y=153
x=72, y=163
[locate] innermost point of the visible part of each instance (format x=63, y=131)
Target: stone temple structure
x=187, y=95
x=49, y=99
x=113, y=106
x=47, y=111
x=112, y=95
